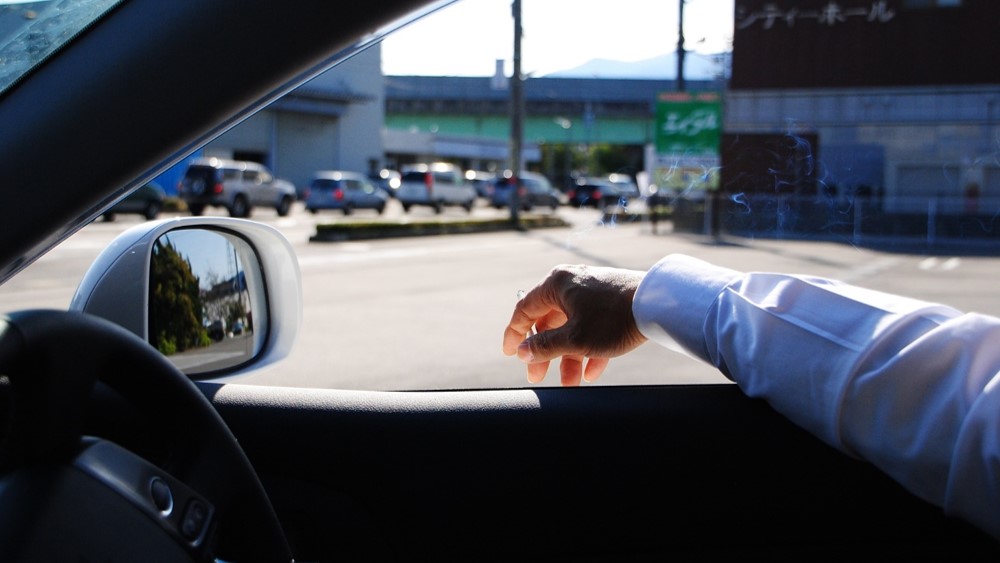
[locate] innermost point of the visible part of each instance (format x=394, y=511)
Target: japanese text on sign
x=830, y=14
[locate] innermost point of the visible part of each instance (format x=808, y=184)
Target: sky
x=466, y=38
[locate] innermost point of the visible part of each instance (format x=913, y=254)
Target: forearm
x=895, y=381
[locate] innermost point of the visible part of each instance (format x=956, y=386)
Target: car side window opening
x=869, y=166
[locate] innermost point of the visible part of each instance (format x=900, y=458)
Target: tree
x=174, y=302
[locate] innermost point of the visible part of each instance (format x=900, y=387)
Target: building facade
x=900, y=98
x=893, y=99
x=468, y=119
x=332, y=122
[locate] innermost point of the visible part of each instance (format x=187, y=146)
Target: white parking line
x=932, y=263
x=870, y=269
x=951, y=264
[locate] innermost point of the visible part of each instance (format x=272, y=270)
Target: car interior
x=110, y=452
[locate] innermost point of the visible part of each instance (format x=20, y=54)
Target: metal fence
x=927, y=222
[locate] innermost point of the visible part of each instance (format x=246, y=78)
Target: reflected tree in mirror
x=204, y=293
x=175, y=309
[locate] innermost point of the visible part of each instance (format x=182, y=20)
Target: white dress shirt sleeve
x=909, y=386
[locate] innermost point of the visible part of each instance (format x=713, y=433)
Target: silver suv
x=435, y=185
x=237, y=185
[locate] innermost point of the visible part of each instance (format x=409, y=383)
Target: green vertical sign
x=687, y=137
x=688, y=123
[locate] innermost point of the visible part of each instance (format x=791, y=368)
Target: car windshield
x=414, y=177
x=855, y=139
x=206, y=173
x=327, y=184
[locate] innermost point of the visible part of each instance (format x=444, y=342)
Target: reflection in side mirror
x=206, y=300
x=219, y=296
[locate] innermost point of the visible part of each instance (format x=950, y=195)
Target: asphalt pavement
x=428, y=312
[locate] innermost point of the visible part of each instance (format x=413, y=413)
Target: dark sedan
x=599, y=194
x=147, y=200
x=535, y=191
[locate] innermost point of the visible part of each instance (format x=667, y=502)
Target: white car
x=435, y=185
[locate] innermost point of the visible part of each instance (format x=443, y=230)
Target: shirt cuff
x=673, y=300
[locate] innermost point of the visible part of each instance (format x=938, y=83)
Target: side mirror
x=216, y=295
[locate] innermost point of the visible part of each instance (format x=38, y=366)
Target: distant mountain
x=662, y=67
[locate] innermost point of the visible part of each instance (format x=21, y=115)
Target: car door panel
x=490, y=475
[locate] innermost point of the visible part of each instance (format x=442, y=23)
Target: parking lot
x=441, y=302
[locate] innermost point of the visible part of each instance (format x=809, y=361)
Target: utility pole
x=517, y=120
x=680, y=47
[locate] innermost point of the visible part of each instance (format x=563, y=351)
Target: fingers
x=534, y=312
x=574, y=311
x=550, y=343
x=595, y=367
x=573, y=369
x=517, y=330
x=537, y=371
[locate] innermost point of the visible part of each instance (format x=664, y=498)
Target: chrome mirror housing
x=217, y=296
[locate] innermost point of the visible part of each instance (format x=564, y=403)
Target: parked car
x=217, y=330
x=627, y=187
x=435, y=185
x=535, y=190
x=147, y=200
x=343, y=190
x=387, y=180
x=113, y=452
x=597, y=193
x=236, y=185
x=480, y=181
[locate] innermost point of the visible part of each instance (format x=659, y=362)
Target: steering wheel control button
x=195, y=520
x=163, y=498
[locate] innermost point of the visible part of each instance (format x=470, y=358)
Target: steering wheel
x=65, y=496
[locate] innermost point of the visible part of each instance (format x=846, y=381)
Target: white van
x=435, y=185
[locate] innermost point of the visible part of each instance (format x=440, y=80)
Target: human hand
x=583, y=317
